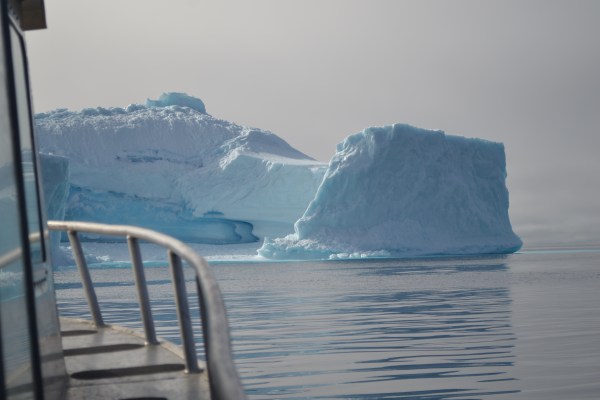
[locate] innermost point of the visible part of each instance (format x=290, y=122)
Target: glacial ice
x=170, y=166
x=55, y=184
x=404, y=191
x=55, y=187
x=177, y=99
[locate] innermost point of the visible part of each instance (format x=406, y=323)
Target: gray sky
x=525, y=73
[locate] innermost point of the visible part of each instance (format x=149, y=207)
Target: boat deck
x=115, y=363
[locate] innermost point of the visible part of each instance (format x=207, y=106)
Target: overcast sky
x=525, y=73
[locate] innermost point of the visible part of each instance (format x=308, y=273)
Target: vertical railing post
x=142, y=289
x=203, y=320
x=86, y=279
x=183, y=313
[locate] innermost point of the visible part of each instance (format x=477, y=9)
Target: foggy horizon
x=521, y=73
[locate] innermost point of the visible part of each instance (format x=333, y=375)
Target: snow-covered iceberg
x=403, y=191
x=170, y=166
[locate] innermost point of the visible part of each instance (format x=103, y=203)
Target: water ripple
x=430, y=329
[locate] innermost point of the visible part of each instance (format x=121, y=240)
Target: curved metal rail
x=222, y=374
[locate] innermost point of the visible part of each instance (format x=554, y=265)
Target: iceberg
x=401, y=191
x=169, y=166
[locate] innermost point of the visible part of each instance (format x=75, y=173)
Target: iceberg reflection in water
x=518, y=326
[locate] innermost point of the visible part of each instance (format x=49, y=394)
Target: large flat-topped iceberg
x=170, y=166
x=404, y=191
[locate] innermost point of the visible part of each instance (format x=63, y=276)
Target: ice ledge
x=177, y=99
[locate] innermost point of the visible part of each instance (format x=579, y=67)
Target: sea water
x=522, y=326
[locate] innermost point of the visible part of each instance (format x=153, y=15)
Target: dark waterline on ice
x=517, y=326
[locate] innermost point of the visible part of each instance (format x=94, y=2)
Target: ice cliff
x=170, y=166
x=403, y=191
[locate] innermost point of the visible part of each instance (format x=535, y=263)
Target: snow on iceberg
x=404, y=191
x=170, y=166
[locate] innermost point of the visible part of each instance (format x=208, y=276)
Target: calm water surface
x=524, y=326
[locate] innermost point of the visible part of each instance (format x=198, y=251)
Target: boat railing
x=222, y=374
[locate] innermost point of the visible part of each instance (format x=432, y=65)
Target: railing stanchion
x=142, y=289
x=222, y=375
x=86, y=279
x=183, y=313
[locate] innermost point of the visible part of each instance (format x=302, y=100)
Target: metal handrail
x=222, y=374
